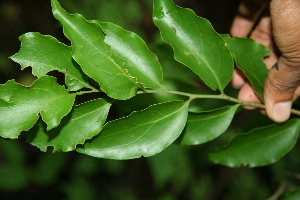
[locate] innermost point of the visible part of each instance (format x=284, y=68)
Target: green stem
x=281, y=189
x=198, y=96
x=86, y=92
x=220, y=96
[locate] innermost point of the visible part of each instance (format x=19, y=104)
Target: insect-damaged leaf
x=248, y=55
x=82, y=123
x=44, y=54
x=94, y=55
x=20, y=106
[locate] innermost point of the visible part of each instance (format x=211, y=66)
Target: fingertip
x=241, y=26
x=277, y=109
x=279, y=112
x=238, y=79
x=281, y=89
x=247, y=94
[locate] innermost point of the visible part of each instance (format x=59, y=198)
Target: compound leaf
x=206, y=126
x=94, y=55
x=250, y=61
x=45, y=54
x=132, y=54
x=20, y=106
x=259, y=147
x=143, y=133
x=195, y=43
x=82, y=123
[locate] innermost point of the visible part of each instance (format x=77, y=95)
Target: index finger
x=247, y=15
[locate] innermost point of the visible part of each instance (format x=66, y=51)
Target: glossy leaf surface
x=195, y=43
x=206, y=126
x=260, y=147
x=82, y=123
x=94, y=55
x=20, y=106
x=248, y=55
x=45, y=54
x=132, y=54
x=143, y=133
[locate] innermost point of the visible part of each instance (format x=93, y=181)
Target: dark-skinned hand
x=279, y=30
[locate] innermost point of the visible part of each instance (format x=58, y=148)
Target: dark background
x=177, y=173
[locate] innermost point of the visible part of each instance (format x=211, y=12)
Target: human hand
x=283, y=34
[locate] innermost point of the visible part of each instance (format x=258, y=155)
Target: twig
x=279, y=191
x=206, y=96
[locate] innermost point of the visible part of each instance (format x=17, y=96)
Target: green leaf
x=20, y=106
x=248, y=55
x=133, y=54
x=260, y=147
x=195, y=43
x=94, y=55
x=206, y=126
x=45, y=54
x=84, y=122
x=143, y=133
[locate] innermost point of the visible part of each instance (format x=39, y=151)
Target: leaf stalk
x=209, y=96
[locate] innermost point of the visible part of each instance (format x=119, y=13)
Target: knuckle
x=281, y=86
x=291, y=60
x=263, y=36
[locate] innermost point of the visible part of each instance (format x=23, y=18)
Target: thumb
x=283, y=79
x=280, y=90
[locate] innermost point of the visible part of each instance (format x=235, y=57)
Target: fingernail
x=236, y=87
x=263, y=112
x=282, y=111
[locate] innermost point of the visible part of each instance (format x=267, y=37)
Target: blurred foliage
x=179, y=172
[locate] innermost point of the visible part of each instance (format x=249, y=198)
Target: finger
x=246, y=17
x=238, y=79
x=282, y=84
x=280, y=90
x=263, y=34
x=263, y=31
x=247, y=94
x=241, y=27
x=243, y=23
x=286, y=28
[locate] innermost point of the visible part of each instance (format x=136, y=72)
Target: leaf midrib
x=195, y=50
